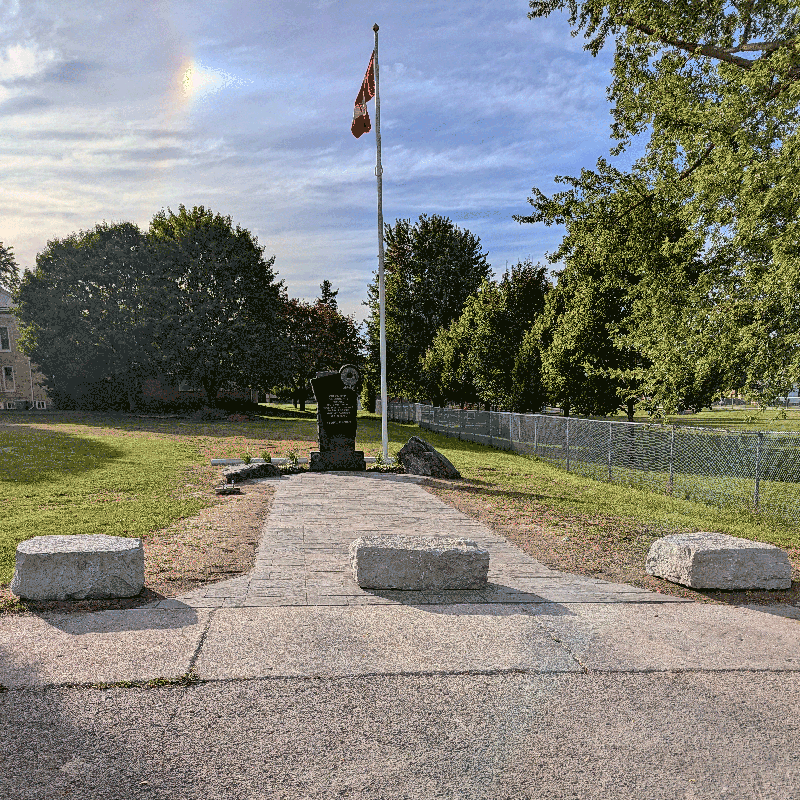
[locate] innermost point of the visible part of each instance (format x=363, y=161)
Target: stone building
x=21, y=385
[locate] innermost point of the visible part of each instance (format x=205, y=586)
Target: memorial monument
x=337, y=401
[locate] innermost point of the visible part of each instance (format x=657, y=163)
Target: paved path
x=303, y=555
x=292, y=682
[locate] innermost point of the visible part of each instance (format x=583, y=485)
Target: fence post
x=759, y=443
x=535, y=435
x=671, y=456
x=610, y=424
x=567, y=444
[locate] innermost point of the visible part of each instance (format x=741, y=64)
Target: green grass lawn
x=536, y=482
x=744, y=419
x=80, y=472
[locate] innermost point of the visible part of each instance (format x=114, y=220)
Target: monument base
x=332, y=460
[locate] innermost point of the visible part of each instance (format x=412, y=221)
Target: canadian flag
x=361, y=123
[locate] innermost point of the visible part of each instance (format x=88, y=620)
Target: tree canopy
x=473, y=359
x=9, y=272
x=635, y=291
x=713, y=88
x=220, y=316
x=431, y=267
x=84, y=312
x=320, y=339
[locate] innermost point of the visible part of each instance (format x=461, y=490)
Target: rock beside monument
x=79, y=567
x=718, y=561
x=420, y=458
x=244, y=472
x=418, y=562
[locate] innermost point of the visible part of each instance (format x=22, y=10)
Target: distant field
x=750, y=419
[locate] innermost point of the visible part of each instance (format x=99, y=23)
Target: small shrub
x=247, y=458
x=266, y=456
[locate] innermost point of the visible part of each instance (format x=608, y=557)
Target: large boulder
x=420, y=458
x=78, y=567
x=245, y=472
x=708, y=560
x=418, y=562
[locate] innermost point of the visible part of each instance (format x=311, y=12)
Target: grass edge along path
x=586, y=526
x=571, y=523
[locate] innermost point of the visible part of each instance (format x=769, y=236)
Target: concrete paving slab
x=331, y=641
x=559, y=736
x=642, y=636
x=101, y=647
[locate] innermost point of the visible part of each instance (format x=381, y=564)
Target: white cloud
x=24, y=61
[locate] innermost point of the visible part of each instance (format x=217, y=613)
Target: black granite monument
x=337, y=401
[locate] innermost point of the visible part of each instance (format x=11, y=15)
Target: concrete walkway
x=647, y=695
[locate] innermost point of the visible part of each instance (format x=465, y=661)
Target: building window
x=5, y=344
x=8, y=379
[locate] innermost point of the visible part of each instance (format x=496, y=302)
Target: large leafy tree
x=431, y=267
x=473, y=358
x=320, y=339
x=9, y=273
x=634, y=293
x=713, y=86
x=85, y=312
x=501, y=322
x=446, y=374
x=221, y=318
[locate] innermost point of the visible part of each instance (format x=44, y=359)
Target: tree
x=221, y=318
x=9, y=272
x=634, y=292
x=300, y=319
x=320, y=339
x=502, y=317
x=714, y=86
x=473, y=358
x=337, y=339
x=430, y=270
x=445, y=370
x=85, y=314
x=327, y=295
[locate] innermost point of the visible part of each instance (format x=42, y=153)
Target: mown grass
x=77, y=472
x=540, y=483
x=747, y=419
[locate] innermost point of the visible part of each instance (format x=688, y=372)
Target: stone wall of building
x=21, y=384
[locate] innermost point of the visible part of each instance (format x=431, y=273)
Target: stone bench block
x=418, y=562
x=80, y=567
x=719, y=561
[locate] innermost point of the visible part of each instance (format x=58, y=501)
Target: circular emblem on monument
x=350, y=376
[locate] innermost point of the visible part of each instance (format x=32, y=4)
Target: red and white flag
x=361, y=123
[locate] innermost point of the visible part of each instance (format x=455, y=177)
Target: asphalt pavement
x=293, y=682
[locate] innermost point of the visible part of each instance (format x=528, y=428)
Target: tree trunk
x=212, y=390
x=630, y=410
x=566, y=408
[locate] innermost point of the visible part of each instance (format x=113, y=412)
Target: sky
x=114, y=111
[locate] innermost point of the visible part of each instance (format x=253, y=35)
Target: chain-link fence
x=755, y=470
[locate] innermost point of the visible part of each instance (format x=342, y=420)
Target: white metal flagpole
x=381, y=299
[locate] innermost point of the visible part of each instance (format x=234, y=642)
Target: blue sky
x=113, y=111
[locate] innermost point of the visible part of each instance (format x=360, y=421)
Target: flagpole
x=381, y=298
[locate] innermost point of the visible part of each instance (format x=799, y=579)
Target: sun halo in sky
x=198, y=81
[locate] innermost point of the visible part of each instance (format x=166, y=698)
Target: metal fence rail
x=754, y=470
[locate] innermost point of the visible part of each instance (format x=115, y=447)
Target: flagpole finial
x=375, y=27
